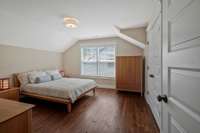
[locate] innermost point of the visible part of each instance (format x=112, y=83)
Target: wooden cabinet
x=12, y=94
x=15, y=117
x=129, y=71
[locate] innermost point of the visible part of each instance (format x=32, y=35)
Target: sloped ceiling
x=39, y=24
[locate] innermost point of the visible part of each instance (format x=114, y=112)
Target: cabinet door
x=122, y=72
x=128, y=73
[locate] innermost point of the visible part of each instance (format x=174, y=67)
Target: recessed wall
x=72, y=57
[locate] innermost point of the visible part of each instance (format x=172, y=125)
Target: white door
x=154, y=72
x=181, y=66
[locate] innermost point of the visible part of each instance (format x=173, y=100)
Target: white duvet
x=63, y=88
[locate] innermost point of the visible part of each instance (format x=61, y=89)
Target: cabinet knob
x=151, y=76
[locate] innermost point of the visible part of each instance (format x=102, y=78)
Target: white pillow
x=55, y=74
x=34, y=74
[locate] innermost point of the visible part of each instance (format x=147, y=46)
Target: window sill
x=93, y=77
x=96, y=77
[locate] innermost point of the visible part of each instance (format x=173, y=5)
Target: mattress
x=62, y=88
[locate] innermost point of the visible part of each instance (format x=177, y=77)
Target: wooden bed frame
x=66, y=101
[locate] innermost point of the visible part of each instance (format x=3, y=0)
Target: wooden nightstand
x=12, y=94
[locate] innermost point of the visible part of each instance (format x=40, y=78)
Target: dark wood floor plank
x=108, y=112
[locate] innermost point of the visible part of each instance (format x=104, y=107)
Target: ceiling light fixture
x=71, y=22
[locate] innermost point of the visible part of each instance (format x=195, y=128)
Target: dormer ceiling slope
x=38, y=24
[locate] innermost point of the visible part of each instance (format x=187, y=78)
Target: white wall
x=72, y=57
x=15, y=60
x=138, y=34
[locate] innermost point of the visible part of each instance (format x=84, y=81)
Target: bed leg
x=69, y=107
x=94, y=92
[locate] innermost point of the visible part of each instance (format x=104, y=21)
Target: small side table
x=12, y=94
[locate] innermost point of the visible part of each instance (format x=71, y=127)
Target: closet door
x=154, y=72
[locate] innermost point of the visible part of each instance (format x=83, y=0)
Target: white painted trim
x=150, y=26
x=96, y=37
x=92, y=77
x=149, y=101
x=152, y=22
x=135, y=26
x=129, y=39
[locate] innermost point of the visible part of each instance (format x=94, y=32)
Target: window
x=98, y=61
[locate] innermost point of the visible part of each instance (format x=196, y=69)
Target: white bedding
x=61, y=88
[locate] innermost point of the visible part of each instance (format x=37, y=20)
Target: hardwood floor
x=108, y=112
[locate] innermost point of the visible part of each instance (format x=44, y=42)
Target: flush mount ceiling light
x=71, y=22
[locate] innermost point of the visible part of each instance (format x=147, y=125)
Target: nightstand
x=12, y=94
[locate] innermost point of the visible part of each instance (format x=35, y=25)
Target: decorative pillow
x=56, y=76
x=42, y=79
x=52, y=72
x=23, y=78
x=34, y=74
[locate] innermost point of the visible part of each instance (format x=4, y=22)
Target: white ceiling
x=39, y=24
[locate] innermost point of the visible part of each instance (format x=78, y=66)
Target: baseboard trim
x=152, y=115
x=155, y=116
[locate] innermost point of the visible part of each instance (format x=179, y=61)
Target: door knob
x=163, y=98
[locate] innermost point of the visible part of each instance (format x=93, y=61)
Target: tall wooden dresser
x=129, y=73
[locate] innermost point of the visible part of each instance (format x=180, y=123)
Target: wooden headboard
x=16, y=82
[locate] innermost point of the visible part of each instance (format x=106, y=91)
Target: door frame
x=148, y=98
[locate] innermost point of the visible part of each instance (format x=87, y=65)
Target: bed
x=62, y=90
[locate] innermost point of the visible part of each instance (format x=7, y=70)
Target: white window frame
x=98, y=62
